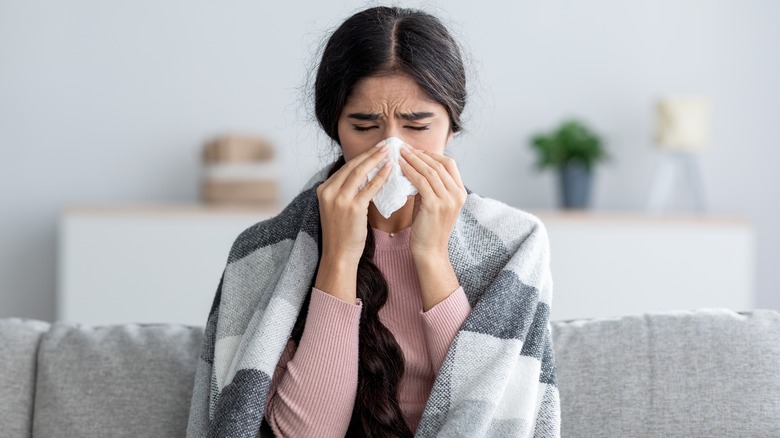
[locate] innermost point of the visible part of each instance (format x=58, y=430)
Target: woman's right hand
x=344, y=209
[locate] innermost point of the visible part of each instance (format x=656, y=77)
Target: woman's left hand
x=438, y=203
x=436, y=209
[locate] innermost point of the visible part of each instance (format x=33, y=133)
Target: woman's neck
x=399, y=220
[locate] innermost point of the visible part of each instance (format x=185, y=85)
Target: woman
x=373, y=347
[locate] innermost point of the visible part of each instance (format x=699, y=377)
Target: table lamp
x=682, y=131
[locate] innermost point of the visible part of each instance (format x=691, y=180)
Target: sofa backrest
x=708, y=372
x=702, y=373
x=133, y=380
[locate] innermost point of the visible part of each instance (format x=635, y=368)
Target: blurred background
x=114, y=115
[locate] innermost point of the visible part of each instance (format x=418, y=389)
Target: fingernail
x=381, y=143
x=384, y=148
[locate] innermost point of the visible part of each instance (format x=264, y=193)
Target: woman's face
x=392, y=106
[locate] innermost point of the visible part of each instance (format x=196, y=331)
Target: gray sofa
x=700, y=373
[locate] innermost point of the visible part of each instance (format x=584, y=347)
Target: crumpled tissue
x=397, y=186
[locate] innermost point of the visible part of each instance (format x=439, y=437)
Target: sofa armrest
x=19, y=339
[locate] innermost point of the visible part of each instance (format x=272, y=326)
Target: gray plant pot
x=575, y=183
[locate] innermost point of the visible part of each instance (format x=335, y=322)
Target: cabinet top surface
x=547, y=216
x=169, y=209
x=640, y=217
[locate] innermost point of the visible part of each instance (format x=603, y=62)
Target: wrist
x=337, y=276
x=337, y=255
x=437, y=279
x=430, y=257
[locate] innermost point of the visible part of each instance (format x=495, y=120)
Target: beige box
x=240, y=192
x=237, y=148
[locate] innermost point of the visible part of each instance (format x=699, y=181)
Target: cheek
x=350, y=146
x=433, y=141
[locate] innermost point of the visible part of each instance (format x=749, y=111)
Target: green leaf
x=570, y=141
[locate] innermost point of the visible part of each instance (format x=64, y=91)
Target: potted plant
x=573, y=149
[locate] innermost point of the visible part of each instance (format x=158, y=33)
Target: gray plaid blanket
x=498, y=378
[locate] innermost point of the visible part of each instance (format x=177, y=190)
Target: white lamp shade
x=683, y=123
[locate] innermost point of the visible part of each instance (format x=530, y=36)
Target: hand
x=344, y=208
x=436, y=209
x=438, y=203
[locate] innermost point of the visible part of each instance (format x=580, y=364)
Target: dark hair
x=383, y=41
x=375, y=42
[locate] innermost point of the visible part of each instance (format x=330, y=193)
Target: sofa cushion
x=19, y=339
x=707, y=372
x=118, y=380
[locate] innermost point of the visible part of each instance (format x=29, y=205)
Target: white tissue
x=397, y=186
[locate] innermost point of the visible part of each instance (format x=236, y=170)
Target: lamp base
x=672, y=163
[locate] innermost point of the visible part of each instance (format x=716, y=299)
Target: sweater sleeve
x=442, y=322
x=314, y=387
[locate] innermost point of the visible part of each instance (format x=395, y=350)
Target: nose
x=394, y=129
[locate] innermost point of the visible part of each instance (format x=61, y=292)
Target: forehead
x=392, y=90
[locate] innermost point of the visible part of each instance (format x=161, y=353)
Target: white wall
x=111, y=101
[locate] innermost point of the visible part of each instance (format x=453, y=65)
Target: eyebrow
x=410, y=116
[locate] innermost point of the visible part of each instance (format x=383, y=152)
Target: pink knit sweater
x=313, y=389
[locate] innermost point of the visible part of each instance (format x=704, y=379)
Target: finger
x=450, y=164
x=359, y=174
x=417, y=179
x=417, y=204
x=341, y=175
x=350, y=165
x=368, y=192
x=440, y=167
x=430, y=174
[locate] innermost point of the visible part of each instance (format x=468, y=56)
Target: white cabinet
x=610, y=264
x=163, y=263
x=145, y=263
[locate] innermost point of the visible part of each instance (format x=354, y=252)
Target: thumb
x=417, y=203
